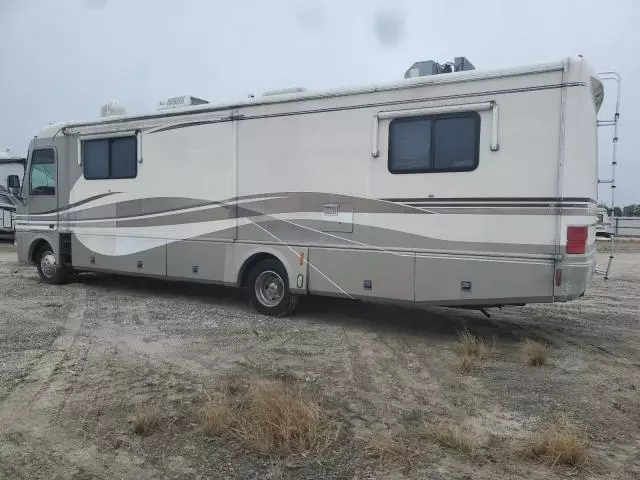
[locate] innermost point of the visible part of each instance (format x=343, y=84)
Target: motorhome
x=11, y=164
x=458, y=188
x=604, y=225
x=11, y=173
x=7, y=212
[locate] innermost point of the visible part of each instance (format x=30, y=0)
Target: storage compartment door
x=136, y=255
x=378, y=275
x=468, y=280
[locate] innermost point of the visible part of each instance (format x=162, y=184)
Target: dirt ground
x=75, y=361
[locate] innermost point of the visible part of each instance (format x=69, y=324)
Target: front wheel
x=50, y=271
x=268, y=289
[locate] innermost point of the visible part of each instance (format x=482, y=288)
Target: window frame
x=434, y=118
x=109, y=141
x=55, y=168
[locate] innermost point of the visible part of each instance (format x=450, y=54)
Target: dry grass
x=217, y=416
x=278, y=419
x=271, y=418
x=559, y=442
x=392, y=450
x=468, y=364
x=452, y=436
x=535, y=353
x=474, y=352
x=472, y=346
x=146, y=420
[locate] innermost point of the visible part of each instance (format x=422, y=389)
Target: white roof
x=454, y=77
x=52, y=129
x=6, y=156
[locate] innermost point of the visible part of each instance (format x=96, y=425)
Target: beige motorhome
x=470, y=188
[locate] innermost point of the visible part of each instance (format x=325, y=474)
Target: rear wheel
x=49, y=269
x=268, y=288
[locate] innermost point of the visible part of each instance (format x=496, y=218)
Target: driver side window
x=43, y=172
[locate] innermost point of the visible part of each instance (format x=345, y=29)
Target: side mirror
x=13, y=184
x=13, y=181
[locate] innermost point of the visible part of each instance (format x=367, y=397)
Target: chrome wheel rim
x=269, y=288
x=48, y=264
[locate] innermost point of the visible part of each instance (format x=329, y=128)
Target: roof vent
x=112, y=108
x=431, y=67
x=284, y=91
x=181, y=101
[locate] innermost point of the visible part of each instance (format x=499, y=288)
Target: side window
x=43, y=172
x=444, y=143
x=110, y=158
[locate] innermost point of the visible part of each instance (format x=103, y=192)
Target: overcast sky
x=61, y=60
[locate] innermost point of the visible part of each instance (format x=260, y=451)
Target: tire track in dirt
x=388, y=379
x=14, y=405
x=30, y=411
x=75, y=454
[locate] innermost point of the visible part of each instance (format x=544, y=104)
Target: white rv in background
x=11, y=164
x=465, y=188
x=7, y=213
x=11, y=174
x=604, y=225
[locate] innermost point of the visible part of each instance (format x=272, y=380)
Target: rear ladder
x=613, y=122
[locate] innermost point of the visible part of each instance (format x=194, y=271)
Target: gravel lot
x=75, y=361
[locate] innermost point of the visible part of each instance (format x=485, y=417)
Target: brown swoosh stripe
x=125, y=213
x=76, y=204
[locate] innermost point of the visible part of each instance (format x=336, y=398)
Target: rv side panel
x=322, y=187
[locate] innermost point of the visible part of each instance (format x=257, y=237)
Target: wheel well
x=243, y=275
x=35, y=248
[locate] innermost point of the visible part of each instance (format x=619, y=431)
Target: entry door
x=41, y=188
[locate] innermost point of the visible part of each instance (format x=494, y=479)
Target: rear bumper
x=576, y=275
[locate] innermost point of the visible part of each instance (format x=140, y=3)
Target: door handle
x=51, y=225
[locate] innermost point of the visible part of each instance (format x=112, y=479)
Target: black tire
x=273, y=270
x=55, y=274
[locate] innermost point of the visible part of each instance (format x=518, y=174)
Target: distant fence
x=627, y=226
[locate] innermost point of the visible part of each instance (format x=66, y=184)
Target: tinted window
x=411, y=145
x=123, y=157
x=95, y=158
x=110, y=158
x=43, y=172
x=434, y=144
x=455, y=143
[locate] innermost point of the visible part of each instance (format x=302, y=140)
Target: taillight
x=577, y=239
